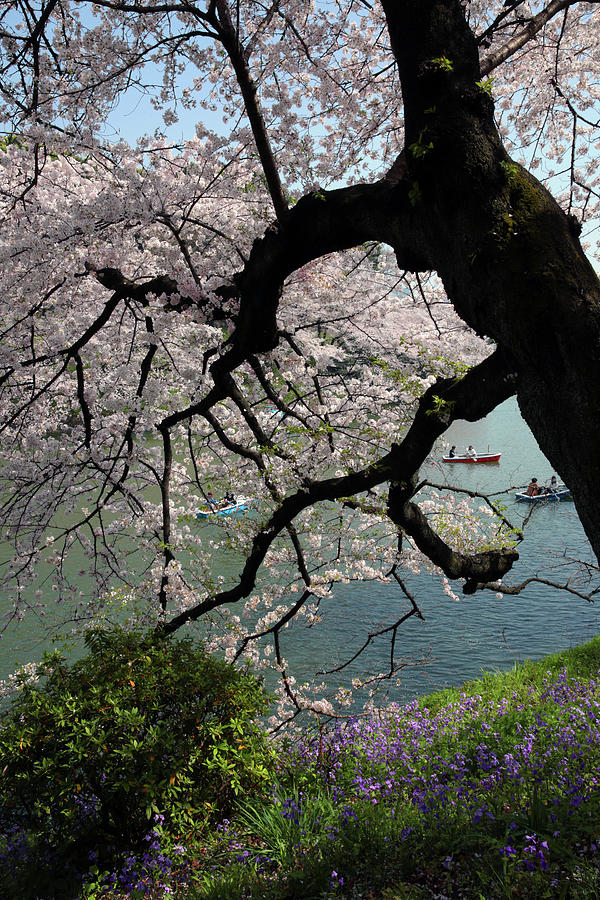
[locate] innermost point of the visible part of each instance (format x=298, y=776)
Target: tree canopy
x=379, y=216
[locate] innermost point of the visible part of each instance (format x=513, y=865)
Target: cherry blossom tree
x=350, y=254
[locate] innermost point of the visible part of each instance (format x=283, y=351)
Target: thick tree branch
x=319, y=224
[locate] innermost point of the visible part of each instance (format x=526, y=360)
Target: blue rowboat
x=547, y=496
x=224, y=509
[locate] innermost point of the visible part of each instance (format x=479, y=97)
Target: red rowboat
x=480, y=458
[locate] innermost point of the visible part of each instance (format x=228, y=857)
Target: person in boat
x=552, y=486
x=211, y=500
x=533, y=488
x=452, y=452
x=229, y=497
x=471, y=452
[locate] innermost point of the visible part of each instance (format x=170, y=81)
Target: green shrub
x=92, y=751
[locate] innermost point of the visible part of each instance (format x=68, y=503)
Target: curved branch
x=475, y=568
x=509, y=257
x=319, y=224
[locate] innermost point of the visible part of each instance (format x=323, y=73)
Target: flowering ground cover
x=488, y=791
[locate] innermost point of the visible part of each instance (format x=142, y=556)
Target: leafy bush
x=92, y=751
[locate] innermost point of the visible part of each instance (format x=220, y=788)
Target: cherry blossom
x=166, y=332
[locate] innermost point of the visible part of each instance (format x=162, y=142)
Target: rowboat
x=230, y=509
x=480, y=458
x=562, y=493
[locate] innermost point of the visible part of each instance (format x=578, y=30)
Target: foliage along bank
x=141, y=769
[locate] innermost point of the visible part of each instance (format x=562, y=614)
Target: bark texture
x=509, y=257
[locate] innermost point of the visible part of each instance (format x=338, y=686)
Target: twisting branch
x=515, y=589
x=482, y=388
x=469, y=397
x=476, y=568
x=317, y=225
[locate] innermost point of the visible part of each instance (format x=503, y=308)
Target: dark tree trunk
x=509, y=257
x=455, y=202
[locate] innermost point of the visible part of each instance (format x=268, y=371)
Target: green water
x=482, y=631
x=459, y=639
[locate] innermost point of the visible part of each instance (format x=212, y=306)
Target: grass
x=577, y=662
x=486, y=791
